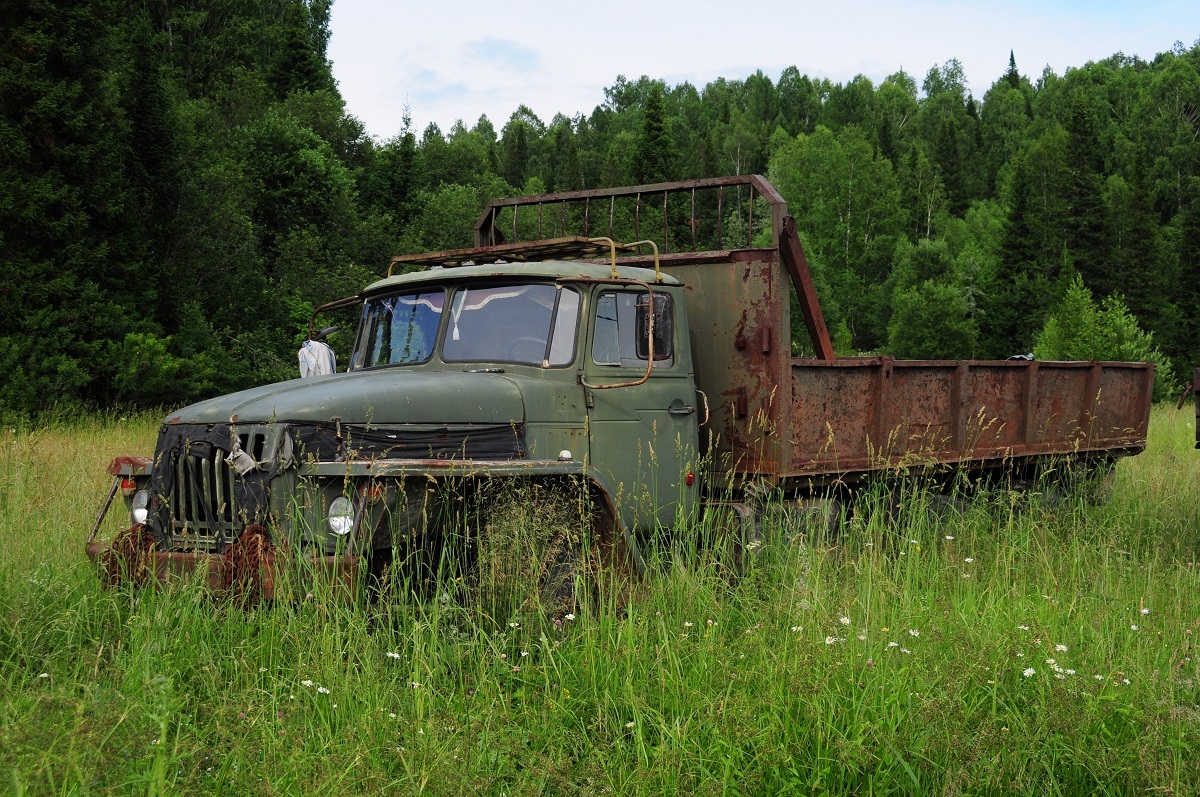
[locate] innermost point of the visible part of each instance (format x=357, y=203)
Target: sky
x=458, y=60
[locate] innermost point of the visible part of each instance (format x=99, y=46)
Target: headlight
x=341, y=516
x=139, y=507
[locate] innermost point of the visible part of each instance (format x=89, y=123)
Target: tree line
x=180, y=185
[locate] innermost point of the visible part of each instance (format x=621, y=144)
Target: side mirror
x=663, y=313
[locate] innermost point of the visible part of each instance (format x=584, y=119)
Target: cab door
x=642, y=430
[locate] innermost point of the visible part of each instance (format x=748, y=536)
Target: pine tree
x=515, y=146
x=653, y=160
x=1084, y=220
x=301, y=65
x=1012, y=77
x=948, y=154
x=66, y=292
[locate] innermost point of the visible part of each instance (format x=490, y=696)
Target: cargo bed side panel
x=858, y=415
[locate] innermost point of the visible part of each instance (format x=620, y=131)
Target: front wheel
x=548, y=548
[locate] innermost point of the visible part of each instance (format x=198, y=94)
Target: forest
x=181, y=184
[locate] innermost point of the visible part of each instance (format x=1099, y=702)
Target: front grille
x=204, y=508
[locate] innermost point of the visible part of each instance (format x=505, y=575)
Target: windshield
x=529, y=324
x=401, y=328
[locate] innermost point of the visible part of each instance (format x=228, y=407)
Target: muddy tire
x=545, y=549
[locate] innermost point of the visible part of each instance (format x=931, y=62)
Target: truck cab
x=461, y=373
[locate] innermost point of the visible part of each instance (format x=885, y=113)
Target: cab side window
x=623, y=325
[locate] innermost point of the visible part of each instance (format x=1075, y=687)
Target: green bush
x=1078, y=329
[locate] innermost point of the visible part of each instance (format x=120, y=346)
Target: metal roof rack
x=571, y=247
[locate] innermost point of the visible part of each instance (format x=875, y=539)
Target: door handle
x=679, y=408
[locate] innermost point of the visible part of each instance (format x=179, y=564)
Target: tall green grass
x=892, y=660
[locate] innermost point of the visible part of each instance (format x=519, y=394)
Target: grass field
x=1015, y=647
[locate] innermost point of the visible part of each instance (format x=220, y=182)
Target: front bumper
x=341, y=573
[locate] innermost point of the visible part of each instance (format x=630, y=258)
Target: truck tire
x=544, y=548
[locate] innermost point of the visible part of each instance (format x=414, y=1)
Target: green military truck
x=656, y=380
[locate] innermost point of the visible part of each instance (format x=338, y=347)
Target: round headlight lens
x=341, y=516
x=139, y=507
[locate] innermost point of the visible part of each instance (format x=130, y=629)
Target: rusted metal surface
x=130, y=466
x=112, y=492
x=160, y=568
x=129, y=559
x=806, y=292
x=489, y=226
x=248, y=567
x=858, y=415
x=568, y=247
x=739, y=322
